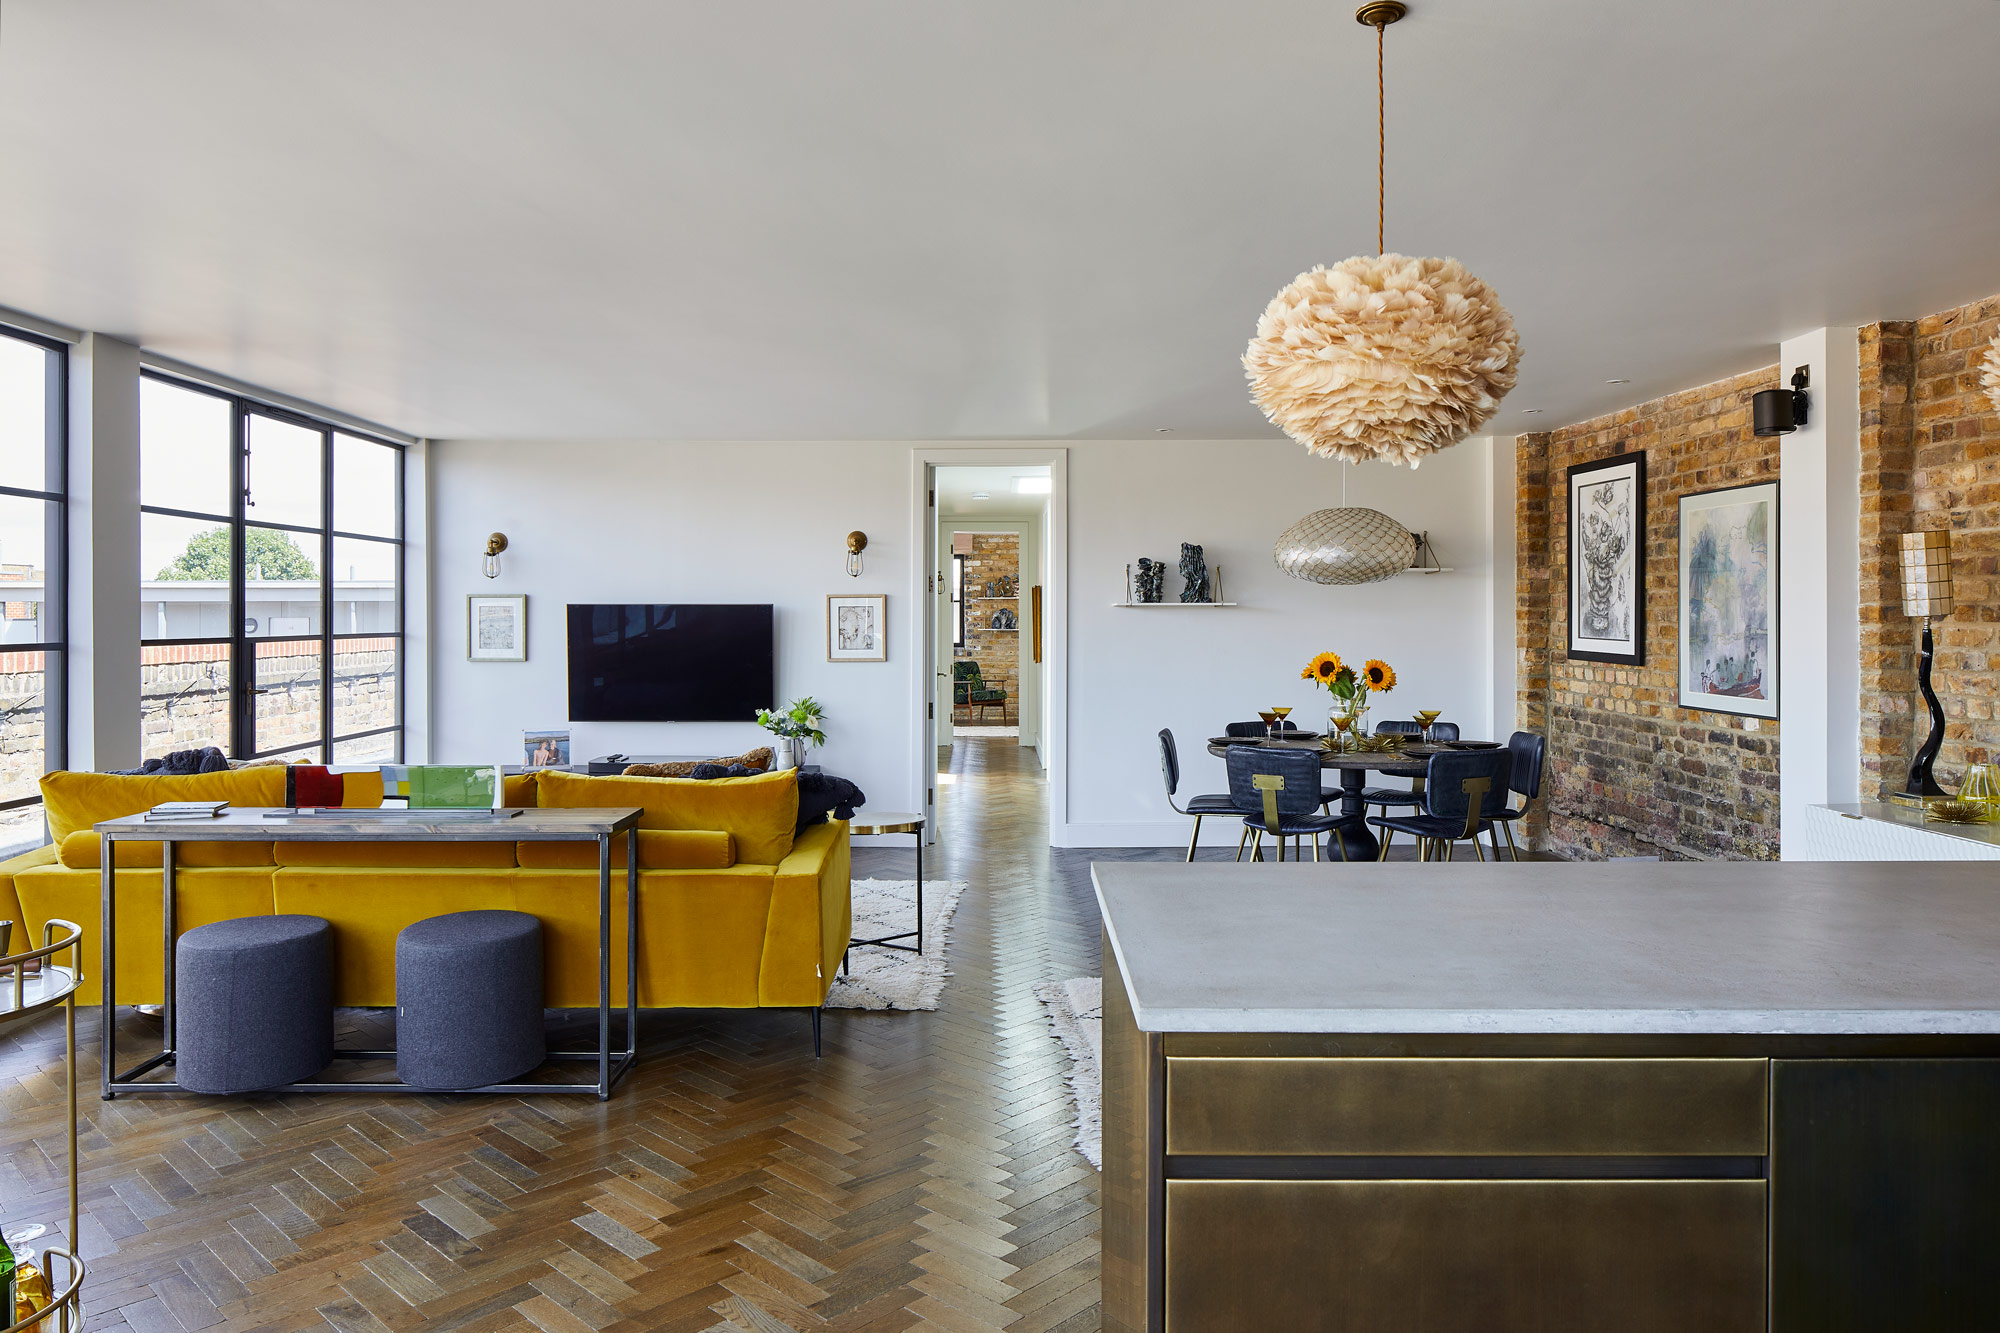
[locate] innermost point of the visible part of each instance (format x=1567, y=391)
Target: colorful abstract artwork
x=1729, y=600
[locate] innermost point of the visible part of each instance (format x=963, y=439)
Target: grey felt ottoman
x=469, y=999
x=253, y=1003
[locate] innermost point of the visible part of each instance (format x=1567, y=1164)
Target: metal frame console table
x=254, y=825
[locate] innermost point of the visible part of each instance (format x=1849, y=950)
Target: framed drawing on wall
x=1607, y=560
x=1729, y=600
x=496, y=628
x=857, y=628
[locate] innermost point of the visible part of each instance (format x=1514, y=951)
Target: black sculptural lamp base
x=1921, y=782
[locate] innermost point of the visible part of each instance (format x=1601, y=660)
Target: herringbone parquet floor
x=919, y=1176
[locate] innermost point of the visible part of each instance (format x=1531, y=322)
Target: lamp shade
x=1926, y=565
x=1345, y=546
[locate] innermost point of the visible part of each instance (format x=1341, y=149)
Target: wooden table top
x=250, y=824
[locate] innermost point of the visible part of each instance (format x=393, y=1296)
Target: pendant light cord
x=1381, y=139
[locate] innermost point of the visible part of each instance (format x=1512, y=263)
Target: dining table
x=1357, y=841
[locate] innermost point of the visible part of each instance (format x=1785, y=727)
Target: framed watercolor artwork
x=496, y=628
x=1729, y=600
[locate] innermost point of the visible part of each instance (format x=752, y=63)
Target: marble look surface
x=1641, y=947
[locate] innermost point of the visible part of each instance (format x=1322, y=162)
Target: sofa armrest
x=809, y=923
x=10, y=903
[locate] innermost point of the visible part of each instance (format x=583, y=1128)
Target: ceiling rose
x=1385, y=356
x=1345, y=546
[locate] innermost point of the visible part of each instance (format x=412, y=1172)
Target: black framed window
x=34, y=394
x=958, y=601
x=271, y=580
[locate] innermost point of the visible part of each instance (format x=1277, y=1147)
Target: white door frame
x=1055, y=615
x=1022, y=528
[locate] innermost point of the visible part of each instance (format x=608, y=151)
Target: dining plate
x=1471, y=745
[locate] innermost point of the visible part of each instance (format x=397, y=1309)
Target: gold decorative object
x=1989, y=372
x=1957, y=812
x=1382, y=356
x=1981, y=786
x=1388, y=743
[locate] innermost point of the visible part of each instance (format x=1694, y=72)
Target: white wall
x=644, y=521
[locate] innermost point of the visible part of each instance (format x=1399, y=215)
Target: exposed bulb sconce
x=857, y=542
x=495, y=544
x=1781, y=411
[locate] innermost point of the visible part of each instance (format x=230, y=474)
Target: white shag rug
x=878, y=978
x=1076, y=1012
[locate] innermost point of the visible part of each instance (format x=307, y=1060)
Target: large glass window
x=272, y=575
x=32, y=588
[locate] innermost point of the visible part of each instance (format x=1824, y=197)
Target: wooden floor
x=920, y=1175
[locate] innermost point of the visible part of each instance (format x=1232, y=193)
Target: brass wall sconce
x=1781, y=411
x=1925, y=559
x=857, y=542
x=495, y=544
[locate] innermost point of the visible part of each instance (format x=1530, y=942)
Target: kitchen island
x=1642, y=1096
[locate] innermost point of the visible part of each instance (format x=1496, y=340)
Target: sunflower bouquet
x=1350, y=687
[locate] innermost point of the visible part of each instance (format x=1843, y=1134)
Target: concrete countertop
x=1670, y=947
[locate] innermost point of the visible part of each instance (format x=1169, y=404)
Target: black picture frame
x=1593, y=488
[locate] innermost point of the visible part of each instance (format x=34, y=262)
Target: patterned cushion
x=757, y=761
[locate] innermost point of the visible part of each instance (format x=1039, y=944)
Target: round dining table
x=1356, y=838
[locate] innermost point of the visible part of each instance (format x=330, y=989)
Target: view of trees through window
x=249, y=645
x=32, y=392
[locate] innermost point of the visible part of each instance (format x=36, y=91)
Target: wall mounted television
x=670, y=662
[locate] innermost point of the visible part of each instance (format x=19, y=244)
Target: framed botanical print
x=1729, y=600
x=1607, y=560
x=496, y=628
x=857, y=628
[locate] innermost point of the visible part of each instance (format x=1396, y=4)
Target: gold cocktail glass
x=1281, y=714
x=1426, y=716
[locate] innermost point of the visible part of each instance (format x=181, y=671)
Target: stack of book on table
x=187, y=810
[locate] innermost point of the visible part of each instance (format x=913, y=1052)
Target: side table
x=894, y=821
x=24, y=993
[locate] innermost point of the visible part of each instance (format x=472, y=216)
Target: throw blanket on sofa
x=180, y=764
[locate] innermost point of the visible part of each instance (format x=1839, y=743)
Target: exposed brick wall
x=1930, y=460
x=993, y=556
x=1630, y=772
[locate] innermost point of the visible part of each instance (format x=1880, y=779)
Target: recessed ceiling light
x=1618, y=381
x=1032, y=485
x=1163, y=430
x=981, y=495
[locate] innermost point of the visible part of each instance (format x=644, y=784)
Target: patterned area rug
x=1076, y=1012
x=879, y=978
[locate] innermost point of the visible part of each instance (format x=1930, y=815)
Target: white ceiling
x=956, y=487
x=903, y=219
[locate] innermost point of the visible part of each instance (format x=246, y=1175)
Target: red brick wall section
x=1630, y=772
x=994, y=556
x=1951, y=435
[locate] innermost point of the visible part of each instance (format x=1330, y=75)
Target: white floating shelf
x=1433, y=570
x=1154, y=606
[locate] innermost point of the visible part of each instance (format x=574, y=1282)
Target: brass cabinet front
x=1304, y=1106
x=1465, y=1256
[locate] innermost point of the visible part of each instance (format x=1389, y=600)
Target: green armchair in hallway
x=970, y=692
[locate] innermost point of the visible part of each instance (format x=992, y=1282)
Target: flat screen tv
x=670, y=663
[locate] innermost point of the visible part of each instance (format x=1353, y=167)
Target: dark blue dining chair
x=1257, y=728
x=1282, y=786
x=1197, y=806
x=1529, y=751
x=1465, y=791
x=1384, y=797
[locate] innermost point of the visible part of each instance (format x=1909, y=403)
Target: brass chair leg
x=1481, y=851
x=1493, y=836
x=1509, y=826
x=1240, y=842
x=1195, y=837
x=1256, y=844
x=1315, y=847
x=1451, y=850
x=1340, y=838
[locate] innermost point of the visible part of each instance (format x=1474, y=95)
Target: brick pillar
x=1888, y=653
x=1532, y=571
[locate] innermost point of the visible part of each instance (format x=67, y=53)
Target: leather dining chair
x=1529, y=751
x=1465, y=791
x=1282, y=785
x=1256, y=728
x=1384, y=797
x=1197, y=806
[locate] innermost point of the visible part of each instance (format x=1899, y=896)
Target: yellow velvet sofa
x=734, y=911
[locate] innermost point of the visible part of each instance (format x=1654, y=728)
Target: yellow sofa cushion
x=10, y=905
x=80, y=851
x=78, y=800
x=659, y=849
x=386, y=854
x=517, y=791
x=758, y=812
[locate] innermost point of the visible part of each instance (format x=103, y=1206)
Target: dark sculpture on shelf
x=1152, y=579
x=1004, y=618
x=1194, y=574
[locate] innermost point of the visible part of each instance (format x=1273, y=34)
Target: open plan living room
x=1163, y=668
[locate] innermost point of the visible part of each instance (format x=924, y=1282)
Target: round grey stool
x=469, y=999
x=253, y=1002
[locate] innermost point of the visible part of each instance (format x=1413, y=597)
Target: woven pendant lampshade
x=1345, y=546
x=1382, y=356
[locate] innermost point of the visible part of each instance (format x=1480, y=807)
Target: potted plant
x=796, y=726
x=1350, y=690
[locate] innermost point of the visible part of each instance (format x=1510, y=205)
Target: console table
x=387, y=825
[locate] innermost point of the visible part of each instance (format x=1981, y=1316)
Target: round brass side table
x=22, y=994
x=893, y=821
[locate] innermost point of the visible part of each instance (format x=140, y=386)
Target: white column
x=419, y=556
x=103, y=554
x=1819, y=583
x=1502, y=665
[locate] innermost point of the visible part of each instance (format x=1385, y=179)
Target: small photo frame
x=545, y=749
x=857, y=628
x=496, y=628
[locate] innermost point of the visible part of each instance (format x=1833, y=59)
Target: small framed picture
x=545, y=749
x=857, y=628
x=496, y=628
x=1607, y=560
